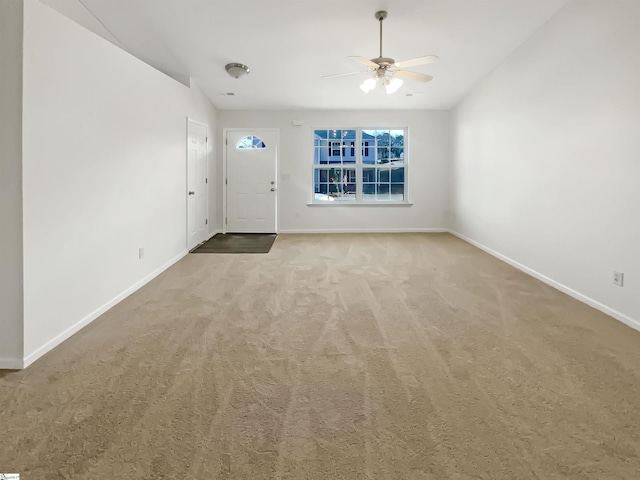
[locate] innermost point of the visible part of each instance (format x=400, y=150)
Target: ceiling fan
x=386, y=69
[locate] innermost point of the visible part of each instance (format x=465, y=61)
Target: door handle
x=192, y=193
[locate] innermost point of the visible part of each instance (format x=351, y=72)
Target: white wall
x=11, y=343
x=104, y=167
x=547, y=155
x=429, y=134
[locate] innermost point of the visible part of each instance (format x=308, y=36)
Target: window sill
x=360, y=204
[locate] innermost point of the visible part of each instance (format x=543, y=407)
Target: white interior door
x=197, y=184
x=251, y=164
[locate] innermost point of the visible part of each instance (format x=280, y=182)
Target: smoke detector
x=236, y=70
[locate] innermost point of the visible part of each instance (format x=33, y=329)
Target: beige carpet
x=407, y=356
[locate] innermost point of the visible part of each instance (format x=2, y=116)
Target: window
x=376, y=174
x=251, y=141
x=334, y=151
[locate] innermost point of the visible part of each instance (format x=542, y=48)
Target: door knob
x=273, y=189
x=192, y=193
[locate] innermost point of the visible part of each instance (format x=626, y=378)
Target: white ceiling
x=290, y=44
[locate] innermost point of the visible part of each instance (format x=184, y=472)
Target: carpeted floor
x=406, y=356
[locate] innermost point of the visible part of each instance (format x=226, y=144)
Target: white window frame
x=359, y=166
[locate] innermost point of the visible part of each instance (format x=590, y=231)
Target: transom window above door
x=360, y=165
x=250, y=141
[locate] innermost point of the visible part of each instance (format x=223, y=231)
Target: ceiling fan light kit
x=368, y=85
x=387, y=70
x=392, y=85
x=236, y=70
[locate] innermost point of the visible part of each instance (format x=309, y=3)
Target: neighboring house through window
x=377, y=173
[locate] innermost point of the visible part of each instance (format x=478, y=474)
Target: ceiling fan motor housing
x=384, y=62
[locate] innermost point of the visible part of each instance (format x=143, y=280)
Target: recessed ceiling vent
x=236, y=70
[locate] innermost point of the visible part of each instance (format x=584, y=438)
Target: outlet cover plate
x=618, y=278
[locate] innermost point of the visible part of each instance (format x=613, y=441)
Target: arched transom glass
x=251, y=141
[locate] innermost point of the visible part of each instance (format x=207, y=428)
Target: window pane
x=320, y=155
x=383, y=176
x=349, y=135
x=347, y=186
x=334, y=181
x=397, y=138
x=368, y=134
x=383, y=189
x=349, y=179
x=250, y=141
x=349, y=152
x=335, y=151
x=397, y=175
x=397, y=192
x=383, y=138
x=321, y=150
x=368, y=151
x=397, y=155
x=322, y=184
x=368, y=189
x=383, y=155
x=368, y=175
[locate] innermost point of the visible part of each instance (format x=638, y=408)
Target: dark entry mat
x=237, y=243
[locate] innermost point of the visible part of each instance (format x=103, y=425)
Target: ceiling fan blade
x=365, y=61
x=416, y=61
x=342, y=74
x=420, y=77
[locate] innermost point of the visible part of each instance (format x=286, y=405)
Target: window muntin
x=376, y=174
x=250, y=141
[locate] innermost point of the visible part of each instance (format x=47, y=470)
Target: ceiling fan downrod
x=380, y=16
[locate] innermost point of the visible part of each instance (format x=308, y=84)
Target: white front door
x=197, y=184
x=251, y=163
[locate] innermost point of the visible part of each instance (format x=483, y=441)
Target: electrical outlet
x=141, y=252
x=618, y=278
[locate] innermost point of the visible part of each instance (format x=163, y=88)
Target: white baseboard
x=11, y=363
x=54, y=342
x=627, y=320
x=366, y=230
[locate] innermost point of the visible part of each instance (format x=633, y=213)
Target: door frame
x=255, y=131
x=207, y=173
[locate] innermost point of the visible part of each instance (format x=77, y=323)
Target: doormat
x=237, y=243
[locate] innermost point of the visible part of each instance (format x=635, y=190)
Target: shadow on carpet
x=237, y=243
